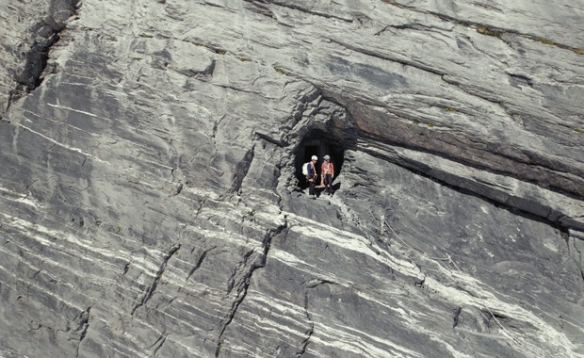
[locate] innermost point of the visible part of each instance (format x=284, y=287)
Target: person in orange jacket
x=327, y=173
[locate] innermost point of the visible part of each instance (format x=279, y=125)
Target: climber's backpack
x=305, y=168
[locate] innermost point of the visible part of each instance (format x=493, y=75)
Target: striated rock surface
x=151, y=202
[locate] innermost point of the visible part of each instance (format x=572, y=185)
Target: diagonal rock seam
x=243, y=288
x=403, y=62
x=159, y=343
x=259, y=8
x=150, y=291
x=292, y=6
x=199, y=262
x=241, y=266
x=459, y=184
x=482, y=29
x=278, y=142
x=534, y=172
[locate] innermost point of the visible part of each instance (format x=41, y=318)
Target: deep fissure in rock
x=150, y=291
x=84, y=325
x=310, y=331
x=46, y=34
x=319, y=143
x=244, y=284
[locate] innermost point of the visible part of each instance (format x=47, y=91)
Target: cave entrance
x=318, y=143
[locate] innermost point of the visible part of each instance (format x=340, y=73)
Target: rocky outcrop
x=151, y=202
x=30, y=32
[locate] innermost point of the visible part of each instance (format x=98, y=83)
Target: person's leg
x=328, y=182
x=311, y=188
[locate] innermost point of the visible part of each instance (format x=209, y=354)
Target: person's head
x=327, y=157
x=314, y=158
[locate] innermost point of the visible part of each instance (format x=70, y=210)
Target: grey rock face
x=151, y=202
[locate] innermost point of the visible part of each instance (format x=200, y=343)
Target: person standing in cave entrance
x=327, y=173
x=312, y=175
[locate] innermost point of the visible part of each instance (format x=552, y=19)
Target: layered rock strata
x=150, y=202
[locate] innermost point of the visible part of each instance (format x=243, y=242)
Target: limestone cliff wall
x=150, y=201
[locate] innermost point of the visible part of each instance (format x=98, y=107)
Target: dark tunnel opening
x=319, y=143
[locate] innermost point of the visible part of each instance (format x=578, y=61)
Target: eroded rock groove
x=150, y=291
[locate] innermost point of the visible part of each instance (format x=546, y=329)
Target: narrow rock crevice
x=204, y=75
x=408, y=26
x=199, y=262
x=234, y=275
x=577, y=256
x=261, y=9
x=520, y=80
x=310, y=285
x=310, y=330
x=246, y=280
x=83, y=326
x=152, y=287
x=456, y=316
x=241, y=171
x=402, y=62
x=278, y=142
x=292, y=6
x=46, y=32
x=126, y=268
x=177, y=189
x=215, y=128
x=158, y=344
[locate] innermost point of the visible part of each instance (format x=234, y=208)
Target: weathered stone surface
x=149, y=195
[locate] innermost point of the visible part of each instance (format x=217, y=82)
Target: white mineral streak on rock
x=71, y=148
x=349, y=342
x=543, y=334
x=74, y=110
x=484, y=300
x=348, y=242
